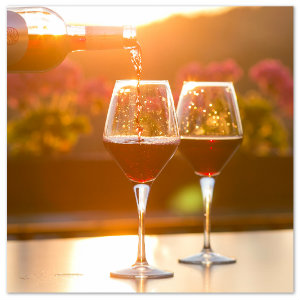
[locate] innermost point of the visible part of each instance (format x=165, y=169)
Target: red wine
x=208, y=155
x=141, y=159
x=136, y=59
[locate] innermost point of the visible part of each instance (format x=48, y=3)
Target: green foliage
x=264, y=131
x=44, y=109
x=45, y=131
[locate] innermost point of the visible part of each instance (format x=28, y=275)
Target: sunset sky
x=126, y=15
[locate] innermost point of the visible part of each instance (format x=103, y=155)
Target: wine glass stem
x=207, y=188
x=141, y=194
x=141, y=257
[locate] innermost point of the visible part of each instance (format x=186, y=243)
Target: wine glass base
x=144, y=272
x=207, y=258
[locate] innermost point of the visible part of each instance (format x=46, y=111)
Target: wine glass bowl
x=141, y=133
x=211, y=132
x=153, y=107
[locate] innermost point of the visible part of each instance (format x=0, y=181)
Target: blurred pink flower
x=20, y=94
x=13, y=103
x=96, y=91
x=66, y=77
x=275, y=79
x=17, y=85
x=193, y=71
x=227, y=70
x=27, y=89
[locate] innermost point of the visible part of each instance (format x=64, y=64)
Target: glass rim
x=142, y=81
x=209, y=83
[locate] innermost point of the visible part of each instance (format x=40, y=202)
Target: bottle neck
x=100, y=37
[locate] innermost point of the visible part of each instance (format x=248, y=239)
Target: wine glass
x=211, y=132
x=141, y=133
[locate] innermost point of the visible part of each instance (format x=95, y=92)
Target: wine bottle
x=38, y=39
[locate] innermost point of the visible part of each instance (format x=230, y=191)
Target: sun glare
x=92, y=259
x=43, y=23
x=126, y=15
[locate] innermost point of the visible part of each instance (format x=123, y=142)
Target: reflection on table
x=264, y=264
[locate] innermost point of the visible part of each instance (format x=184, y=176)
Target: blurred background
x=62, y=182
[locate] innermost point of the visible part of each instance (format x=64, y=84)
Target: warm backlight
x=126, y=15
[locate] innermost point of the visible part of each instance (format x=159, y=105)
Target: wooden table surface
x=264, y=264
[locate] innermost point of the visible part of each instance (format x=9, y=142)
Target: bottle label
x=106, y=37
x=17, y=37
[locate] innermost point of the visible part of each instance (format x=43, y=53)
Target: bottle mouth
x=129, y=36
